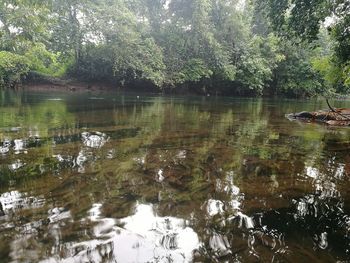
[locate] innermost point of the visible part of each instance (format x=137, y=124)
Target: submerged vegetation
x=295, y=48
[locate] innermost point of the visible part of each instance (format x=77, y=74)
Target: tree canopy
x=291, y=47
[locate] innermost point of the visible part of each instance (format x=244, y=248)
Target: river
x=107, y=177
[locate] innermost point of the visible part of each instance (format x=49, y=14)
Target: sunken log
x=333, y=117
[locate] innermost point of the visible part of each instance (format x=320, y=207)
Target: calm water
x=112, y=178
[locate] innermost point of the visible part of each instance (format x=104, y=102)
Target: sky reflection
x=161, y=179
x=142, y=237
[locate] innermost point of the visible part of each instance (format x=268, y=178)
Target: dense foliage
x=306, y=20
x=207, y=46
x=12, y=68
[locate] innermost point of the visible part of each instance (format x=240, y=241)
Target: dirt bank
x=70, y=86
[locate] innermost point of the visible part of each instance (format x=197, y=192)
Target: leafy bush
x=141, y=58
x=13, y=67
x=194, y=70
x=95, y=63
x=346, y=75
x=45, y=62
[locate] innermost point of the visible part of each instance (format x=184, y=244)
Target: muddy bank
x=38, y=82
x=70, y=86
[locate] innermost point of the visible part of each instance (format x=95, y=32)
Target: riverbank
x=75, y=85
x=38, y=82
x=196, y=89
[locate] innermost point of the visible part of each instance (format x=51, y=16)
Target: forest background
x=294, y=48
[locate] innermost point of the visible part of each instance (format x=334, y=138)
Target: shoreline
x=76, y=86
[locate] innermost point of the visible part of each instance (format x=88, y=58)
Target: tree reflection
x=248, y=183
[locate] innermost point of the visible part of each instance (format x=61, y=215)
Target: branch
x=330, y=107
x=336, y=112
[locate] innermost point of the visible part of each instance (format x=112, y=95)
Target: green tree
x=303, y=20
x=12, y=68
x=23, y=22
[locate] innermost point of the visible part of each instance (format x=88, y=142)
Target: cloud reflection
x=142, y=237
x=14, y=200
x=94, y=140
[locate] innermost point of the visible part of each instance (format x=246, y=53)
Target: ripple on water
x=255, y=187
x=143, y=236
x=16, y=165
x=5, y=148
x=94, y=140
x=15, y=200
x=20, y=146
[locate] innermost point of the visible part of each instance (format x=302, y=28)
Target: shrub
x=48, y=63
x=12, y=68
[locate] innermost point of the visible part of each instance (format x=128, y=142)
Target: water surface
x=134, y=178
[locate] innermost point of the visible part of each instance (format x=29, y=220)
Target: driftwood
x=333, y=116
